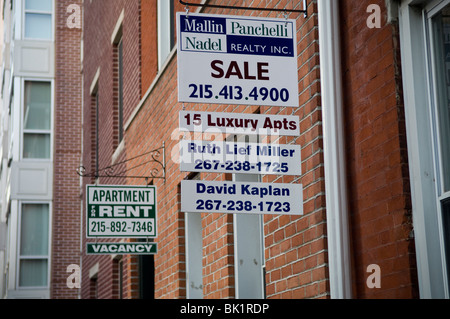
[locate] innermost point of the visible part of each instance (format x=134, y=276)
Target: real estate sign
x=121, y=211
x=237, y=60
x=241, y=197
x=239, y=123
x=240, y=158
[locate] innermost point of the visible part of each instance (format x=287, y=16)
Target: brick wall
x=149, y=44
x=378, y=179
x=295, y=247
x=67, y=152
x=99, y=23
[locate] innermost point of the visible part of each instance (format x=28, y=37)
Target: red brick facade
x=295, y=247
x=378, y=181
x=100, y=53
x=67, y=150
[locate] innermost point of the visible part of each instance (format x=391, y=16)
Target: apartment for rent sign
x=237, y=60
x=121, y=211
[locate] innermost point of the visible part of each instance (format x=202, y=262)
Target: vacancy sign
x=237, y=60
x=241, y=197
x=136, y=248
x=121, y=211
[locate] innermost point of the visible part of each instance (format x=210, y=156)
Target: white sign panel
x=241, y=197
x=237, y=60
x=120, y=211
x=239, y=123
x=232, y=157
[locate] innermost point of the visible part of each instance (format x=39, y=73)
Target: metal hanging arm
x=304, y=11
x=116, y=170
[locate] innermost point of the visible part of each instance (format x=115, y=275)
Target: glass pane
x=33, y=273
x=446, y=227
x=441, y=48
x=37, y=112
x=39, y=5
x=38, y=26
x=34, y=230
x=36, y=145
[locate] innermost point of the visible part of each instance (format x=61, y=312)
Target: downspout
x=339, y=260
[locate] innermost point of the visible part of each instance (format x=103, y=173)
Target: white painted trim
x=93, y=271
x=334, y=151
x=420, y=150
x=248, y=233
x=94, y=84
x=116, y=35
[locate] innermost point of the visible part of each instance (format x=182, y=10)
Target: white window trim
x=22, y=129
x=334, y=151
x=116, y=35
x=428, y=235
x=48, y=256
x=249, y=244
x=163, y=24
x=24, y=11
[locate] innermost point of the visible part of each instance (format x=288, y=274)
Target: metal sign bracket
x=203, y=5
x=117, y=170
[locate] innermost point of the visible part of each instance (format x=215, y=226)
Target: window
x=117, y=42
x=248, y=230
x=94, y=121
x=146, y=275
x=38, y=19
x=440, y=51
x=37, y=120
x=441, y=41
x=194, y=251
x=95, y=143
x=119, y=80
x=93, y=288
x=118, y=277
x=34, y=245
x=93, y=281
x=166, y=34
x=424, y=31
x=120, y=75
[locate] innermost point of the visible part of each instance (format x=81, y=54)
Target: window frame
x=442, y=196
x=24, y=131
x=193, y=236
x=119, y=48
x=166, y=32
x=36, y=257
x=43, y=12
x=419, y=100
x=244, y=229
